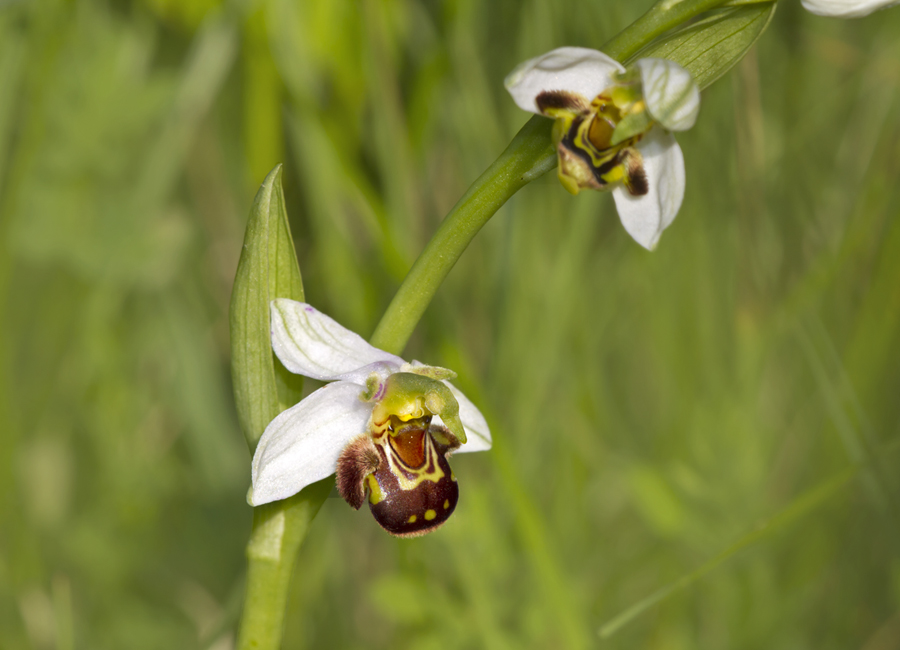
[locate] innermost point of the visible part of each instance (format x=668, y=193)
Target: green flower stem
x=279, y=529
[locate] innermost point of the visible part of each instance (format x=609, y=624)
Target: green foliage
x=650, y=410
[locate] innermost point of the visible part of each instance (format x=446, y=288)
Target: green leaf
x=710, y=47
x=267, y=269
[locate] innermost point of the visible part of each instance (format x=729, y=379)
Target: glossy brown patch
x=600, y=132
x=409, y=444
x=359, y=459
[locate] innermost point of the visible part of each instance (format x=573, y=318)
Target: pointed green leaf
x=267, y=269
x=712, y=46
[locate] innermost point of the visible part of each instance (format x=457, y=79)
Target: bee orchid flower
x=613, y=129
x=386, y=427
x=847, y=8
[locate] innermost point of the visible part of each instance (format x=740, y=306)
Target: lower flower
x=385, y=426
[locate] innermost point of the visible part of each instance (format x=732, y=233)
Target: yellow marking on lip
x=411, y=520
x=375, y=493
x=446, y=503
x=430, y=514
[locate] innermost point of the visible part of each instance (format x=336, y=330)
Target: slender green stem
x=278, y=531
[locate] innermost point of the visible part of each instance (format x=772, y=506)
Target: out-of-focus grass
x=649, y=410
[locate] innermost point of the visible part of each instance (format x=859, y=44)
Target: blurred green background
x=733, y=395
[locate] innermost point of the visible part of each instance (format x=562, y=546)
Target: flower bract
x=613, y=129
x=386, y=426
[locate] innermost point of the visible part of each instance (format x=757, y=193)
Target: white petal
x=672, y=96
x=577, y=70
x=303, y=443
x=477, y=432
x=310, y=343
x=847, y=8
x=645, y=217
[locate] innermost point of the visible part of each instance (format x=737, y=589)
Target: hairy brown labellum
x=405, y=473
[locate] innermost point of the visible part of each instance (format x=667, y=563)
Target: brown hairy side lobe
x=550, y=101
x=359, y=459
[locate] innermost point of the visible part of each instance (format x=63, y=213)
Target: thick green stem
x=278, y=531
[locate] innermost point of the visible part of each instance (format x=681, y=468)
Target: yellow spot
x=411, y=520
x=375, y=493
x=430, y=514
x=446, y=503
x=615, y=175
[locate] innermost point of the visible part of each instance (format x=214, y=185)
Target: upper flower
x=847, y=8
x=371, y=392
x=612, y=129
